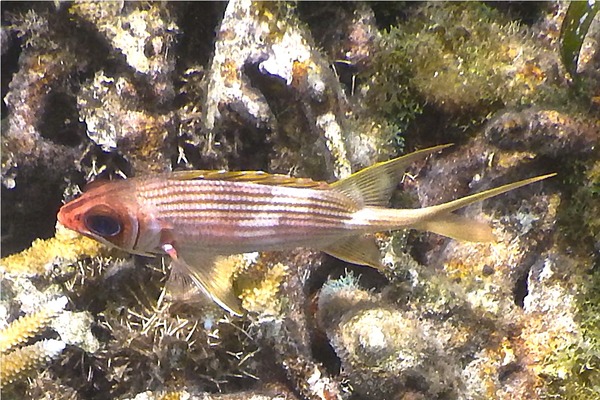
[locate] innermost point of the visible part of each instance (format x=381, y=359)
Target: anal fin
x=361, y=250
x=208, y=273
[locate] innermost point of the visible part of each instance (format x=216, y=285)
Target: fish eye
x=103, y=225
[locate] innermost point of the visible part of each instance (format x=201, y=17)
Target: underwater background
x=106, y=90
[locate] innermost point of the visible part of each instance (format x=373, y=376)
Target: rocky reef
x=319, y=90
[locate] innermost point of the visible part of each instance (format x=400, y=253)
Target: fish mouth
x=73, y=222
x=64, y=220
x=61, y=216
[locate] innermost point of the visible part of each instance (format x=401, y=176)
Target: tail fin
x=458, y=227
x=465, y=201
x=439, y=219
x=443, y=222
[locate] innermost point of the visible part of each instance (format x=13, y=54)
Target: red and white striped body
x=224, y=217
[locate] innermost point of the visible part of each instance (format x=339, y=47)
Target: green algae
x=579, y=219
x=578, y=19
x=390, y=94
x=580, y=223
x=466, y=60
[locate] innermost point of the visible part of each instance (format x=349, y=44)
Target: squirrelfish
x=198, y=217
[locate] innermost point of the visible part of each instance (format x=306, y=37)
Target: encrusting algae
x=258, y=286
x=107, y=89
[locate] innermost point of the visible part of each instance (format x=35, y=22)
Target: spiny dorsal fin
x=373, y=186
x=260, y=177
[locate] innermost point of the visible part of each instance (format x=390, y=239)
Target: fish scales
x=248, y=215
x=232, y=204
x=200, y=191
x=198, y=218
x=246, y=197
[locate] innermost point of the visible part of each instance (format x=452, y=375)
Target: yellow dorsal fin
x=260, y=177
x=373, y=186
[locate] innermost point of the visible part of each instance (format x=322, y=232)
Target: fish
x=198, y=218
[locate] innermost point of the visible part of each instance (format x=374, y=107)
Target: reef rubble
x=107, y=90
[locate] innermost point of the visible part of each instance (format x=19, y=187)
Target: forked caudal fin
x=439, y=219
x=443, y=222
x=371, y=189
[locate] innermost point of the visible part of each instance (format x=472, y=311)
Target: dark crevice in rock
x=521, y=289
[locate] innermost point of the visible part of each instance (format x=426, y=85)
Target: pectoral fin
x=210, y=274
x=361, y=250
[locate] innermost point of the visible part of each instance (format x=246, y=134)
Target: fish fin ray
x=360, y=250
x=259, y=177
x=458, y=227
x=465, y=201
x=211, y=274
x=179, y=286
x=440, y=219
x=373, y=186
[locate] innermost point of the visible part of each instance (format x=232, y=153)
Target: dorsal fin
x=260, y=177
x=373, y=186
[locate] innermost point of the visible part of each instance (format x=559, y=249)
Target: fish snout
x=61, y=216
x=68, y=219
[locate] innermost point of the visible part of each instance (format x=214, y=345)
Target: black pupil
x=103, y=225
